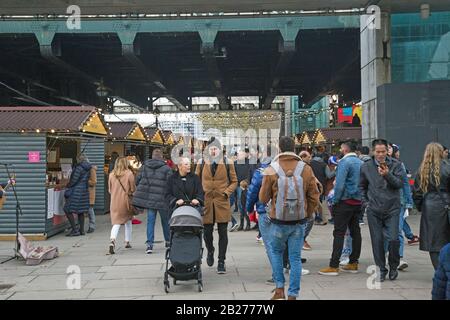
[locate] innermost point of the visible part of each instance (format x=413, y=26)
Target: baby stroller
x=185, y=250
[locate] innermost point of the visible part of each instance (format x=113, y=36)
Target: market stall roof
x=155, y=136
x=329, y=135
x=342, y=134
x=70, y=119
x=127, y=131
x=168, y=137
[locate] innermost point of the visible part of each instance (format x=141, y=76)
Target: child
x=243, y=199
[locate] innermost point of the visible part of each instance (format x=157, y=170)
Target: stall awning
x=79, y=119
x=342, y=134
x=168, y=137
x=127, y=131
x=303, y=139
x=155, y=136
x=319, y=137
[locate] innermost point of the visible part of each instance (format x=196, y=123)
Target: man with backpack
x=291, y=188
x=219, y=181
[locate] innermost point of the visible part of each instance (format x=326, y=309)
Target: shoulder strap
x=299, y=168
x=123, y=188
x=276, y=166
x=227, y=166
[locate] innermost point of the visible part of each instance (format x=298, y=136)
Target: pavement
x=131, y=274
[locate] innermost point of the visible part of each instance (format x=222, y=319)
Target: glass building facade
x=420, y=47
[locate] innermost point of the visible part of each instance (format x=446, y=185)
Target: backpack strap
x=298, y=171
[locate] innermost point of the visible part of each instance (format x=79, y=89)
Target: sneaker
x=73, y=233
x=393, y=274
x=292, y=298
x=403, y=265
x=305, y=272
x=90, y=230
x=304, y=260
x=361, y=222
x=345, y=261
x=414, y=240
x=286, y=270
x=329, y=271
x=259, y=239
x=234, y=227
x=128, y=245
x=136, y=221
x=350, y=267
x=112, y=246
x=320, y=223
x=210, y=258
x=241, y=227
x=221, y=268
x=149, y=249
x=331, y=221
x=270, y=282
x=306, y=246
x=279, y=294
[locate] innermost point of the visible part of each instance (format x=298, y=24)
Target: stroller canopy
x=186, y=216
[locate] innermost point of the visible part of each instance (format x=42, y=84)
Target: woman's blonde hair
x=431, y=166
x=121, y=166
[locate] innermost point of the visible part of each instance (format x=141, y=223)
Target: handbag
x=131, y=209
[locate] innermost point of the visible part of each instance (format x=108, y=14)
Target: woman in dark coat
x=77, y=200
x=184, y=186
x=432, y=195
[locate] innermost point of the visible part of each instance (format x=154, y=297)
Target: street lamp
x=102, y=92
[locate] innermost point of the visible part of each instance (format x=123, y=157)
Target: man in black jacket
x=380, y=184
x=151, y=187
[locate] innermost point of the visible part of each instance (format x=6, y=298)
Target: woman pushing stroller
x=184, y=187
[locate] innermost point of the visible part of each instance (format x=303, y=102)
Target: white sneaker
x=286, y=270
x=403, y=265
x=259, y=239
x=305, y=272
x=345, y=261
x=234, y=227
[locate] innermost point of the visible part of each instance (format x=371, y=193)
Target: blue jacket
x=254, y=187
x=347, y=178
x=78, y=202
x=405, y=193
x=441, y=280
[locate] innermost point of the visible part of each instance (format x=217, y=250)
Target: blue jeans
x=264, y=229
x=407, y=230
x=400, y=233
x=91, y=215
x=239, y=203
x=151, y=218
x=278, y=236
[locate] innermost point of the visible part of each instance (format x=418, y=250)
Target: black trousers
x=223, y=239
x=346, y=215
x=384, y=226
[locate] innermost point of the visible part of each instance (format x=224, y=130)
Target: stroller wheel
x=200, y=287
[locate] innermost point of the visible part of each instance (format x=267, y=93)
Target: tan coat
x=92, y=183
x=217, y=205
x=119, y=198
x=269, y=188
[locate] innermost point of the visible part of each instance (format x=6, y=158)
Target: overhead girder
x=127, y=38
x=208, y=36
x=286, y=48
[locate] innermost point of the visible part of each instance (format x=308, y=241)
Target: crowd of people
x=286, y=191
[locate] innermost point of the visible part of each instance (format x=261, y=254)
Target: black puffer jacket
x=78, y=202
x=381, y=194
x=151, y=185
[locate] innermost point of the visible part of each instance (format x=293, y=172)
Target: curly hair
x=429, y=171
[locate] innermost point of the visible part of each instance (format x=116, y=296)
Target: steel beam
x=287, y=48
x=183, y=25
x=208, y=34
x=127, y=37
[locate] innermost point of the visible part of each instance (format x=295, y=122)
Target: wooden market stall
x=42, y=143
